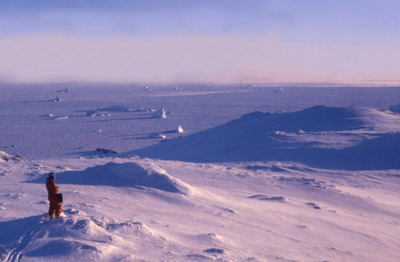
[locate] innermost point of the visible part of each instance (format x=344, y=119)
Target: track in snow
x=16, y=254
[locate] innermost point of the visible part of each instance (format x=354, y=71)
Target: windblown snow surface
x=308, y=174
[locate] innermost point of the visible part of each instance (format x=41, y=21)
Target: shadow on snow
x=263, y=137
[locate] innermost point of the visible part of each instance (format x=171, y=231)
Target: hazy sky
x=207, y=40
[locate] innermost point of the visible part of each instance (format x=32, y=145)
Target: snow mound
x=130, y=227
x=330, y=137
x=322, y=118
x=209, y=237
x=4, y=157
x=74, y=237
x=126, y=174
x=69, y=238
x=313, y=119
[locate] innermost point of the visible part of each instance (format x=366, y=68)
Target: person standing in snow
x=52, y=190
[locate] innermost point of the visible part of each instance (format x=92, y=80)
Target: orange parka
x=52, y=188
x=55, y=207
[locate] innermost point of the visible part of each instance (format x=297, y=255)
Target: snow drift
x=77, y=237
x=4, y=157
x=126, y=174
x=329, y=137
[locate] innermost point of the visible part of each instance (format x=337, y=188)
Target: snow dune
x=330, y=137
x=129, y=174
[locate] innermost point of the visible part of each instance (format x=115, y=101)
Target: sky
x=199, y=41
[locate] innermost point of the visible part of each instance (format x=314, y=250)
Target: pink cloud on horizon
x=204, y=58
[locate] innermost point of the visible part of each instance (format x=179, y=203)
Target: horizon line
x=321, y=83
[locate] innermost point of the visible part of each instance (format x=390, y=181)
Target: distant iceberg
x=179, y=130
x=65, y=90
x=162, y=113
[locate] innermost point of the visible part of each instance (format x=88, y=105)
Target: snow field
x=236, y=214
x=303, y=183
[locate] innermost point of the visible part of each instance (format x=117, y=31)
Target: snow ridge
x=133, y=174
x=329, y=137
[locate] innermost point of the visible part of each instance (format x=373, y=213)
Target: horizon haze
x=199, y=41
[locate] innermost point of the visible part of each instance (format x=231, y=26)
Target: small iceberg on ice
x=162, y=113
